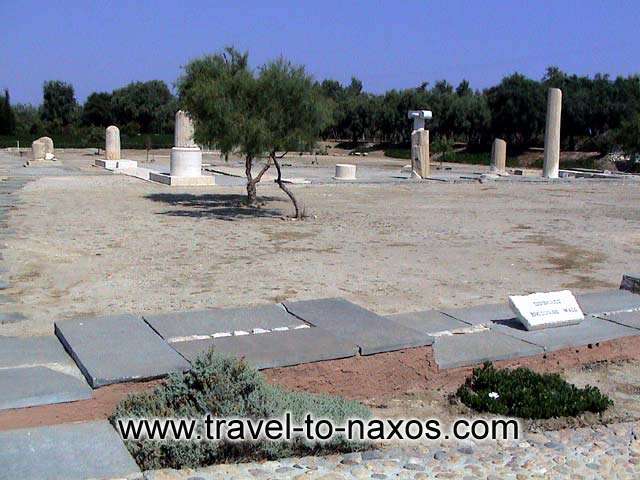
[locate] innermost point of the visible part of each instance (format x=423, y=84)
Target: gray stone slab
x=474, y=348
x=428, y=321
x=219, y=320
x=481, y=314
x=276, y=349
x=347, y=321
x=117, y=349
x=31, y=386
x=628, y=319
x=32, y=351
x=74, y=451
x=608, y=301
x=590, y=331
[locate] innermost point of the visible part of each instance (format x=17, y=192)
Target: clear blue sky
x=102, y=45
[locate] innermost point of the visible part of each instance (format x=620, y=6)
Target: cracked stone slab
x=453, y=351
x=31, y=386
x=275, y=349
x=608, y=301
x=589, y=331
x=119, y=348
x=32, y=351
x=74, y=451
x=177, y=325
x=428, y=321
x=628, y=319
x=352, y=323
x=481, y=314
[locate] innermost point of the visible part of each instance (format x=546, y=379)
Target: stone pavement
x=584, y=453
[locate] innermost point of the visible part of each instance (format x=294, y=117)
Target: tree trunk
x=284, y=188
x=252, y=192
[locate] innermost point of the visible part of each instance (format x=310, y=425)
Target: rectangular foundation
x=173, y=181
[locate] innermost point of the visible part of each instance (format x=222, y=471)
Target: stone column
x=112, y=143
x=552, y=134
x=38, y=148
x=499, y=156
x=48, y=146
x=420, y=153
x=186, y=156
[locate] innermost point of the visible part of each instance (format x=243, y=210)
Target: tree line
x=598, y=113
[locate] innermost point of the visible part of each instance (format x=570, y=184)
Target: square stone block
x=118, y=348
x=174, y=181
x=590, y=331
x=173, y=326
x=481, y=314
x=276, y=349
x=31, y=386
x=354, y=324
x=428, y=321
x=73, y=451
x=475, y=348
x=608, y=301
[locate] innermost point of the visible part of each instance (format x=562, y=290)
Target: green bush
x=226, y=387
x=527, y=394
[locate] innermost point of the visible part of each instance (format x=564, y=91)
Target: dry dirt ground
x=104, y=244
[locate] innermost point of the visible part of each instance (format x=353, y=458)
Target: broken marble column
x=38, y=149
x=112, y=143
x=499, y=156
x=420, y=153
x=551, y=165
x=345, y=171
x=186, y=156
x=419, y=143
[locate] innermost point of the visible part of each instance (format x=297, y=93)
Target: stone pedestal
x=186, y=162
x=499, y=156
x=112, y=143
x=420, y=166
x=345, y=171
x=551, y=165
x=48, y=146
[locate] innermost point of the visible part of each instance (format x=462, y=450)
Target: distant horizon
x=102, y=47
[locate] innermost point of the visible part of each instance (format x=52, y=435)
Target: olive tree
x=263, y=113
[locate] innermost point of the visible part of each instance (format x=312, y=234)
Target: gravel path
x=600, y=452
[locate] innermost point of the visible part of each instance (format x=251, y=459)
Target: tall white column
x=186, y=156
x=420, y=152
x=499, y=156
x=552, y=134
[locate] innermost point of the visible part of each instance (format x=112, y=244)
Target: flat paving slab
x=354, y=324
x=628, y=319
x=208, y=322
x=481, y=314
x=31, y=386
x=453, y=351
x=116, y=349
x=74, y=451
x=37, y=371
x=428, y=321
x=608, y=301
x=275, y=349
x=589, y=331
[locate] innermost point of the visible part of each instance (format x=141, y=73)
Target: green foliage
x=526, y=394
x=227, y=387
x=59, y=107
x=149, y=106
x=7, y=116
x=629, y=135
x=97, y=110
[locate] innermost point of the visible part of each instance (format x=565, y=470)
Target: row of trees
x=594, y=110
x=598, y=113
x=140, y=107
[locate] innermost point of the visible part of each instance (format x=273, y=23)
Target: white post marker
x=546, y=309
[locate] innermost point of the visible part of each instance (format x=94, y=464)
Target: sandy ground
x=103, y=244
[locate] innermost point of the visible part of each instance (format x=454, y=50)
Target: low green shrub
x=526, y=394
x=226, y=387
